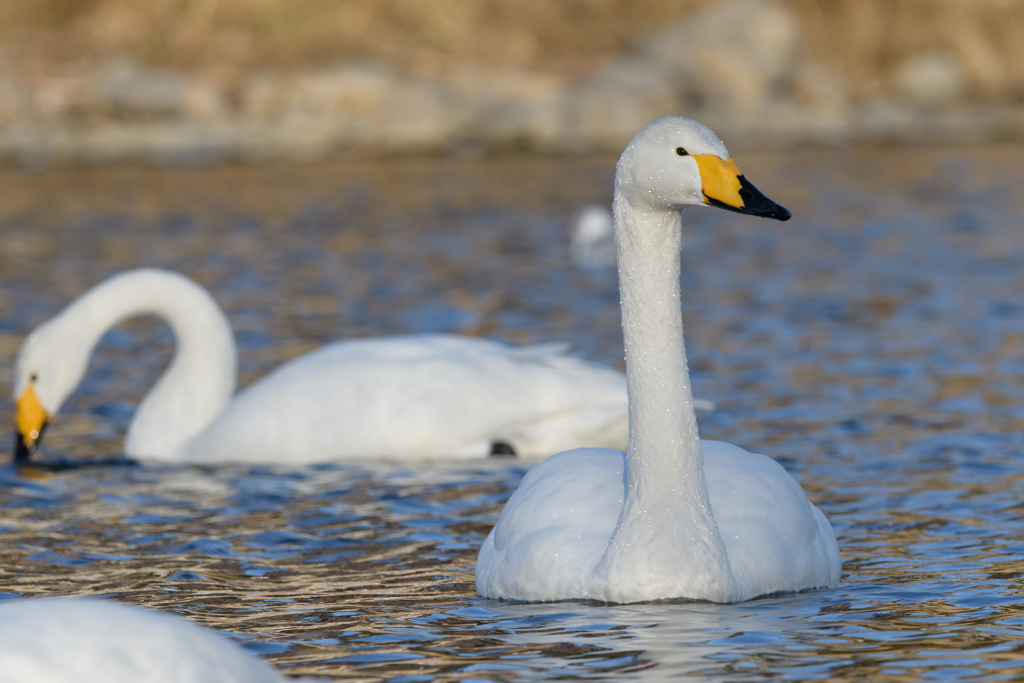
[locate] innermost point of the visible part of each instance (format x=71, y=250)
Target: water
x=874, y=345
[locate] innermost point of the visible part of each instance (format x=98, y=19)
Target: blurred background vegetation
x=223, y=40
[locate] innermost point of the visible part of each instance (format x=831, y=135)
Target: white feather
x=92, y=641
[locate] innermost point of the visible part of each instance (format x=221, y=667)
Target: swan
x=674, y=516
x=592, y=245
x=405, y=397
x=60, y=640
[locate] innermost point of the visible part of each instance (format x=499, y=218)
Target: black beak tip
x=22, y=453
x=781, y=213
x=756, y=204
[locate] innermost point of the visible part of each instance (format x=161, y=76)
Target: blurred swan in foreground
x=408, y=398
x=92, y=641
x=674, y=517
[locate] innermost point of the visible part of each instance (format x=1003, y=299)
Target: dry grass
x=225, y=39
x=868, y=39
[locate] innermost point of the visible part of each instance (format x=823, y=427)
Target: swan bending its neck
x=411, y=398
x=673, y=517
x=193, y=390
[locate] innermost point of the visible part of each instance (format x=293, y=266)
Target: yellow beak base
x=725, y=186
x=30, y=420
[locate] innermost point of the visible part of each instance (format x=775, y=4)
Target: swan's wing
x=90, y=641
x=595, y=426
x=575, y=403
x=776, y=539
x=416, y=397
x=554, y=528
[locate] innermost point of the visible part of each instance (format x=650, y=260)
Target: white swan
x=674, y=517
x=592, y=245
x=92, y=641
x=414, y=397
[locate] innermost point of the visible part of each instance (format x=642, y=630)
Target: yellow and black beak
x=725, y=187
x=30, y=421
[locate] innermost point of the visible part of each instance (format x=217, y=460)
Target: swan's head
x=675, y=162
x=46, y=371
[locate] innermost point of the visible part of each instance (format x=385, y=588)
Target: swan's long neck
x=201, y=377
x=666, y=540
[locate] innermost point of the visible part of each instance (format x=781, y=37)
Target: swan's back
x=419, y=397
x=90, y=641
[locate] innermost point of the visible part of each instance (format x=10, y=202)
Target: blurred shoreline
x=762, y=73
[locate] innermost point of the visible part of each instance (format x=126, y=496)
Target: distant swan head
x=191, y=392
x=675, y=162
x=46, y=372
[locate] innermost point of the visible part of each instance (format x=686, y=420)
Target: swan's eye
x=682, y=152
x=34, y=377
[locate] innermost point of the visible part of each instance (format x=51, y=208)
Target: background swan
x=592, y=244
x=91, y=641
x=413, y=397
x=674, y=517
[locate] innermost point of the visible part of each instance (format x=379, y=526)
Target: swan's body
x=771, y=547
x=427, y=396
x=415, y=397
x=673, y=517
x=90, y=641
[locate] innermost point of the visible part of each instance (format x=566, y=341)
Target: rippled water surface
x=874, y=345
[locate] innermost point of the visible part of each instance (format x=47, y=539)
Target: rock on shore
x=739, y=66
